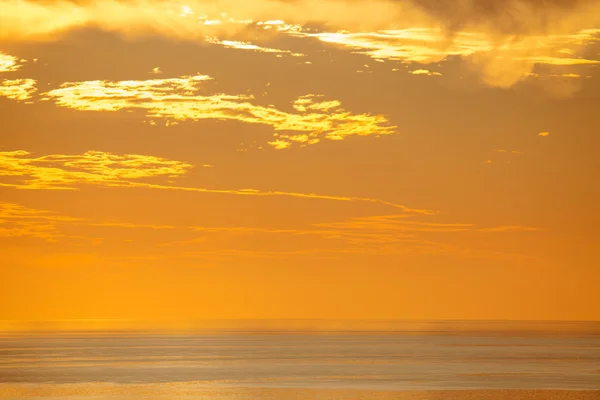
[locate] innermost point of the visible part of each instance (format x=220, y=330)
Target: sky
x=175, y=161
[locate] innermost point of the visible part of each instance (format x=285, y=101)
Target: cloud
x=397, y=223
x=18, y=89
x=424, y=72
x=571, y=75
x=560, y=61
x=383, y=235
x=414, y=44
x=503, y=156
x=373, y=235
x=543, y=134
x=20, y=170
x=15, y=89
x=22, y=19
x=232, y=44
x=8, y=63
x=117, y=224
x=19, y=221
x=502, y=40
x=280, y=144
x=62, y=171
x=178, y=99
x=502, y=60
x=512, y=17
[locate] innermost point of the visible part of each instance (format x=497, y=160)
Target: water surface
x=372, y=361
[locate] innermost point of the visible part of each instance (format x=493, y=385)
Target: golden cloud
x=424, y=72
x=15, y=89
x=186, y=19
x=504, y=40
x=8, y=63
x=21, y=19
x=177, y=99
x=18, y=89
x=61, y=171
x=503, y=61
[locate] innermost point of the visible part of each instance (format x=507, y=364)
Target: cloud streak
x=19, y=221
x=381, y=235
x=20, y=170
x=234, y=44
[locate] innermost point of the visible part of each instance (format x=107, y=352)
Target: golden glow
x=503, y=58
x=224, y=159
x=26, y=18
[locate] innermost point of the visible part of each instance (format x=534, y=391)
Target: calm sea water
x=342, y=361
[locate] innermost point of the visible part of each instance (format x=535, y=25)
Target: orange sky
x=331, y=159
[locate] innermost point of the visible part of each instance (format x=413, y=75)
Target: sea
x=378, y=361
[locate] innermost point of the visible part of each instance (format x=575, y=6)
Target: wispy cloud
x=570, y=75
x=373, y=235
x=397, y=223
x=233, y=44
x=503, y=61
x=504, y=156
x=20, y=170
x=178, y=99
x=378, y=235
x=19, y=221
x=544, y=134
